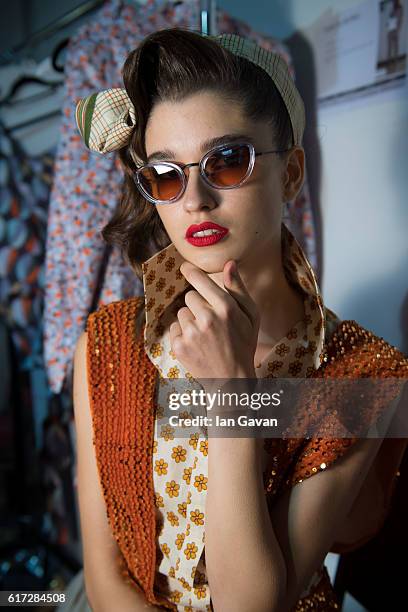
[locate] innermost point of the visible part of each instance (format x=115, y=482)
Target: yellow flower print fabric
x=180, y=465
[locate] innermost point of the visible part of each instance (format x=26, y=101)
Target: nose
x=198, y=194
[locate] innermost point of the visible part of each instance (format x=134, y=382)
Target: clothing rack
x=208, y=17
x=207, y=24
x=54, y=27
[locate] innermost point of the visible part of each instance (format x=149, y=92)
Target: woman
x=209, y=132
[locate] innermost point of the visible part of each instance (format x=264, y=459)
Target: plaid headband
x=106, y=119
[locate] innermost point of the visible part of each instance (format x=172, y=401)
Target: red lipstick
x=211, y=237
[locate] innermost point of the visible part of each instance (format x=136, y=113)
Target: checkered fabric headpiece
x=106, y=119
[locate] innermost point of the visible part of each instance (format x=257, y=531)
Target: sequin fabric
x=87, y=186
x=123, y=387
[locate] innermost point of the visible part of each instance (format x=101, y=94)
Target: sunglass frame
x=181, y=170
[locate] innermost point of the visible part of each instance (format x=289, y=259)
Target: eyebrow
x=206, y=145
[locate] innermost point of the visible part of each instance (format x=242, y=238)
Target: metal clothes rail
x=207, y=25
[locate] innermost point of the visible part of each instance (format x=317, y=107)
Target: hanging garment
x=25, y=184
x=87, y=187
x=6, y=415
x=57, y=459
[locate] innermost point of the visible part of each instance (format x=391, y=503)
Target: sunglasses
x=226, y=166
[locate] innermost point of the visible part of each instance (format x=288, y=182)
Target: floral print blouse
x=180, y=464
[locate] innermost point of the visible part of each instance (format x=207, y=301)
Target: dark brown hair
x=172, y=64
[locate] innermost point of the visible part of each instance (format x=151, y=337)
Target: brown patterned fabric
x=122, y=382
x=296, y=354
x=180, y=475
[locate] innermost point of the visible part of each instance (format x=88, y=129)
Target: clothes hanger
x=57, y=52
x=52, y=28
x=29, y=80
x=34, y=120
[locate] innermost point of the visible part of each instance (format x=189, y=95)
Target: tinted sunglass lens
x=228, y=167
x=160, y=182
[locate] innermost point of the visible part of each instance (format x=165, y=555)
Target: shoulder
x=114, y=318
x=112, y=328
x=119, y=308
x=353, y=350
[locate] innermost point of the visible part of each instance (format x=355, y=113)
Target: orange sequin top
x=122, y=383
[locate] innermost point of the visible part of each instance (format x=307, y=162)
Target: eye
x=233, y=155
x=229, y=157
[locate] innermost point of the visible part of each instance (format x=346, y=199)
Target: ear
x=293, y=173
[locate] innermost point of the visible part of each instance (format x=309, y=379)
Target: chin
x=212, y=259
x=211, y=263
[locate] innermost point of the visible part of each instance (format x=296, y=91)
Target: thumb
x=231, y=272
x=237, y=289
x=232, y=278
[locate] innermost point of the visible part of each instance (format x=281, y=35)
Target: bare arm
x=105, y=587
x=261, y=562
x=245, y=565
x=307, y=518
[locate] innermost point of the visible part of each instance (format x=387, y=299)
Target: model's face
x=251, y=212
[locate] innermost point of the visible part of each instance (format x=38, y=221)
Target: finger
x=205, y=286
x=175, y=331
x=185, y=317
x=196, y=303
x=236, y=287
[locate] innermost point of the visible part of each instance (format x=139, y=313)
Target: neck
x=280, y=305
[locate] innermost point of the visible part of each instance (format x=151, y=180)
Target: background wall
x=364, y=182
x=358, y=170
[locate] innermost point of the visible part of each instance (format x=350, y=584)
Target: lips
x=205, y=240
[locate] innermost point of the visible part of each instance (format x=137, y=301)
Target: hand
x=217, y=331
